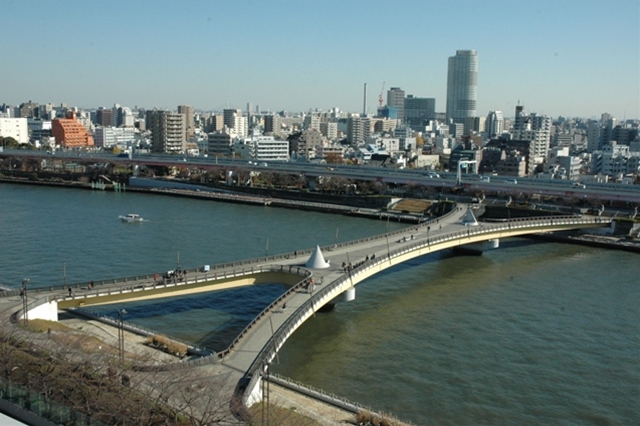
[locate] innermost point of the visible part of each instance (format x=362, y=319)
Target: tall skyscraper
x=462, y=85
x=395, y=99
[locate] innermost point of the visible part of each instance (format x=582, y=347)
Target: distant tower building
x=167, y=131
x=117, y=115
x=395, y=98
x=213, y=123
x=358, y=130
x=228, y=116
x=104, y=117
x=535, y=128
x=188, y=113
x=127, y=117
x=462, y=85
x=312, y=121
x=272, y=123
x=594, y=136
x=494, y=125
x=329, y=130
x=29, y=110
x=607, y=129
x=417, y=110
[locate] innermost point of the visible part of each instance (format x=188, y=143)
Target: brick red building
x=69, y=133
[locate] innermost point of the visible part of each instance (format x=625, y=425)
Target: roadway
x=522, y=185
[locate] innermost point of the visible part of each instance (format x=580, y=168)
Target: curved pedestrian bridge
x=318, y=278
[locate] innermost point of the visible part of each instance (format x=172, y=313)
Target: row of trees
x=85, y=375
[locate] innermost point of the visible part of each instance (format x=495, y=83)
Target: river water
x=531, y=333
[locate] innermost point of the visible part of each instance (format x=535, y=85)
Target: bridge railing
x=301, y=284
x=148, y=279
x=333, y=289
x=140, y=283
x=217, y=356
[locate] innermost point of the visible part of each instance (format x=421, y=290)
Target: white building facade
x=16, y=128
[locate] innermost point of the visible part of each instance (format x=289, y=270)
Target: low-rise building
x=108, y=137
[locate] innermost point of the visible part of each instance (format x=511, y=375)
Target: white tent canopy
x=316, y=260
x=469, y=219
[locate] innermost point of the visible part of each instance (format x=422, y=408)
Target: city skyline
x=570, y=58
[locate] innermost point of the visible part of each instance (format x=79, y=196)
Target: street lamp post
x=121, y=314
x=25, y=311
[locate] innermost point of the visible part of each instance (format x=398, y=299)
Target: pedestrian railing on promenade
x=330, y=398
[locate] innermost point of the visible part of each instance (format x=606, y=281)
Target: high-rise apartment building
x=462, y=85
x=329, y=130
x=233, y=119
x=358, y=130
x=535, y=128
x=395, y=98
x=312, y=121
x=167, y=131
x=594, y=136
x=188, y=113
x=228, y=116
x=104, y=117
x=272, y=124
x=494, y=126
x=69, y=133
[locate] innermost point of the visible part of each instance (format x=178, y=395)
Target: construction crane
x=380, y=101
x=380, y=97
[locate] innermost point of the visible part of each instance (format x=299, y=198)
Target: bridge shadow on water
x=210, y=320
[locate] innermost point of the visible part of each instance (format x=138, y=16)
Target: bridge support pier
x=346, y=296
x=478, y=248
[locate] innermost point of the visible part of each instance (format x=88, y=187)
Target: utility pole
x=121, y=314
x=25, y=303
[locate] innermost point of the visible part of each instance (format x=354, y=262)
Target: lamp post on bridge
x=25, y=303
x=388, y=248
x=265, y=393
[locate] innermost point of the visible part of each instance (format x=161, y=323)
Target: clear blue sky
x=558, y=57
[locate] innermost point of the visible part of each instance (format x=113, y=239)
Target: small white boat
x=131, y=217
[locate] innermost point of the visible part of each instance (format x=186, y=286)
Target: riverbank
x=599, y=241
x=229, y=196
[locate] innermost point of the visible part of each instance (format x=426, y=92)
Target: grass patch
x=42, y=326
x=412, y=206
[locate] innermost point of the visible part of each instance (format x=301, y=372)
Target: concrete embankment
x=611, y=243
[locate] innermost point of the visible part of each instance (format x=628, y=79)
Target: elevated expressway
x=248, y=357
x=504, y=184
